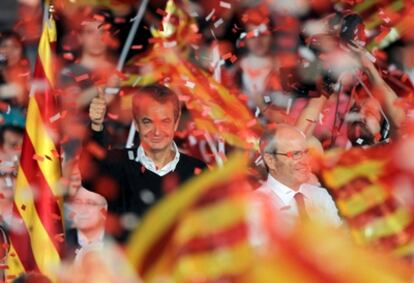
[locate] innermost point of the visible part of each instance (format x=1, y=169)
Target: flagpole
x=122, y=58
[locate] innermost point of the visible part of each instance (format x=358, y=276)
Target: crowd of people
x=304, y=72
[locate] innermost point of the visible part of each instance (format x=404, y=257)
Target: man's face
x=12, y=143
x=364, y=122
x=92, y=38
x=88, y=210
x=156, y=124
x=291, y=161
x=259, y=44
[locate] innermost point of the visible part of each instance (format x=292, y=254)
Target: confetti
x=218, y=23
x=82, y=77
x=225, y=5
x=136, y=47
x=251, y=123
x=170, y=44
x=209, y=16
x=113, y=116
x=38, y=157
x=9, y=182
x=55, y=153
x=189, y=84
x=54, y=118
x=96, y=150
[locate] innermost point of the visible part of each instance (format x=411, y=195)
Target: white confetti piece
x=225, y=5
x=130, y=155
x=257, y=112
x=170, y=44
x=359, y=141
x=218, y=23
x=210, y=15
x=137, y=80
x=289, y=105
x=266, y=99
x=9, y=182
x=55, y=117
x=189, y=84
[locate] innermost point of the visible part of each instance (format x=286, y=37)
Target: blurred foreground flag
x=373, y=193
x=214, y=230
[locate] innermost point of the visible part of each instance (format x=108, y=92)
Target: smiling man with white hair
x=288, y=186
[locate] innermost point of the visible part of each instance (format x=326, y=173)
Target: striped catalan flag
x=362, y=182
x=182, y=241
x=213, y=230
x=37, y=231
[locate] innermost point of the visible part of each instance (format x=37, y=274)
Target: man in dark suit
x=133, y=180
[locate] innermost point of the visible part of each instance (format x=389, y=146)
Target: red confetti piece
x=99, y=18
x=197, y=171
x=55, y=153
x=121, y=75
x=113, y=116
x=81, y=77
x=136, y=47
x=119, y=20
x=251, y=123
x=153, y=40
x=56, y=217
x=227, y=55
x=60, y=238
x=143, y=169
x=68, y=56
x=96, y=150
x=233, y=59
x=38, y=157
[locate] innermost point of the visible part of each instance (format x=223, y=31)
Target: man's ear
x=268, y=160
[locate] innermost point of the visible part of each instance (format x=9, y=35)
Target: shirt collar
x=150, y=165
x=285, y=193
x=83, y=241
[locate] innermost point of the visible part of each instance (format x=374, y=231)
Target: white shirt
x=319, y=204
x=150, y=165
x=84, y=241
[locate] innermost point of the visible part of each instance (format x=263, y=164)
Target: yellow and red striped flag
x=37, y=230
x=366, y=185
x=214, y=230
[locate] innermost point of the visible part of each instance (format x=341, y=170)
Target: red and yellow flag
x=368, y=186
x=37, y=231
